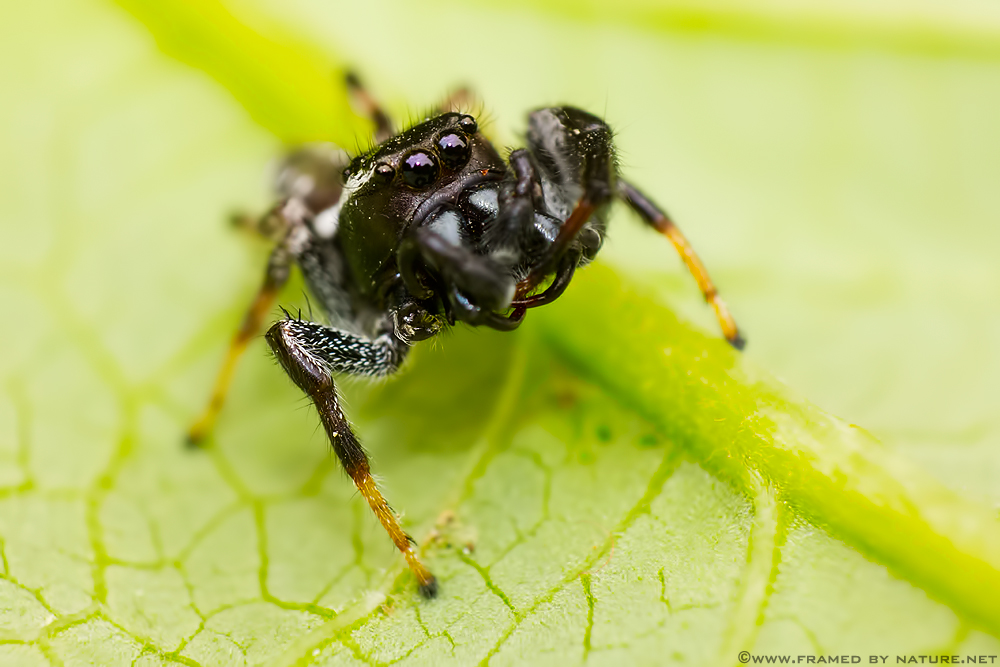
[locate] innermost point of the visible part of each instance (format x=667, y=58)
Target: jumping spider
x=430, y=227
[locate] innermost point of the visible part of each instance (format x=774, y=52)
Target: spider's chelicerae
x=431, y=227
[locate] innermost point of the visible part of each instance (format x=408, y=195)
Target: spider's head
x=432, y=160
x=405, y=179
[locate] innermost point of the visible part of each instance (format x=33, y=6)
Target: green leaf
x=608, y=484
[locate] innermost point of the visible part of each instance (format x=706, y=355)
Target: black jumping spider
x=431, y=227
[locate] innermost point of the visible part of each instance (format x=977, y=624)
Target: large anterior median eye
x=454, y=149
x=419, y=169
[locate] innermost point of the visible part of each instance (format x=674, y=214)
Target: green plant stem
x=735, y=419
x=287, y=87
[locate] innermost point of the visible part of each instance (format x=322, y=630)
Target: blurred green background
x=836, y=166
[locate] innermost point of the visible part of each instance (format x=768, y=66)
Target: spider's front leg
x=656, y=218
x=289, y=215
x=576, y=156
x=310, y=353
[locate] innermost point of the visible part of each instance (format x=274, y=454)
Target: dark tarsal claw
x=429, y=589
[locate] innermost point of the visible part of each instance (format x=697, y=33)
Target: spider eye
x=454, y=149
x=383, y=174
x=350, y=169
x=468, y=125
x=419, y=169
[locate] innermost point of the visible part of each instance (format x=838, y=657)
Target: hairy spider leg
x=656, y=218
x=575, y=150
x=369, y=107
x=270, y=226
x=457, y=101
x=517, y=202
x=310, y=353
x=275, y=277
x=567, y=234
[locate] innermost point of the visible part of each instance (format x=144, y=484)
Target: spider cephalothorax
x=428, y=228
